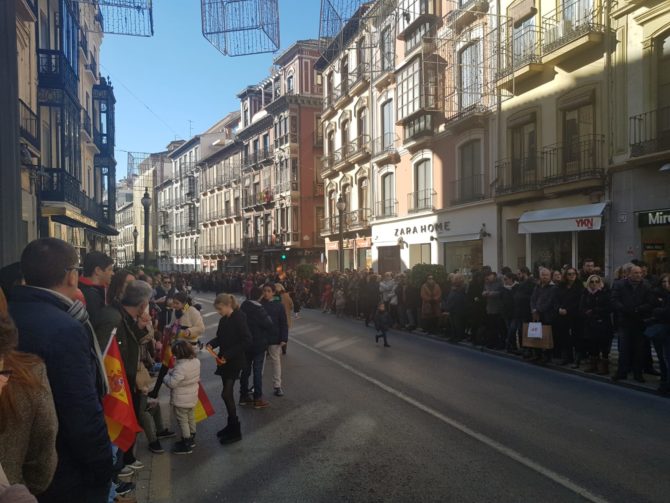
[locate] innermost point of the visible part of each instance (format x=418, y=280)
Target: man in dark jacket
x=521, y=295
x=279, y=336
x=632, y=300
x=45, y=316
x=97, y=272
x=544, y=303
x=261, y=328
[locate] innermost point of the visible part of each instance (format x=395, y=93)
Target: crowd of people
x=59, y=317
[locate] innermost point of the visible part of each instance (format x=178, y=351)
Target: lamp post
x=146, y=203
x=135, y=235
x=195, y=246
x=341, y=206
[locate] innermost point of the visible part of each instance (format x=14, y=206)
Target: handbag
x=142, y=378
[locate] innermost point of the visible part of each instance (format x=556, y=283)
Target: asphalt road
x=420, y=421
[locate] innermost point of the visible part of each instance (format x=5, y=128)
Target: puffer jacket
x=183, y=381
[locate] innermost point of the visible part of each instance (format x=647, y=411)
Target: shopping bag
x=530, y=337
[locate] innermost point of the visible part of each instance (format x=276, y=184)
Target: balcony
x=518, y=178
x=572, y=28
x=649, y=132
x=418, y=132
x=55, y=72
x=469, y=190
x=328, y=164
x=259, y=242
x=384, y=148
x=419, y=12
x=83, y=43
x=86, y=125
x=92, y=67
x=360, y=79
x=384, y=70
x=29, y=125
x=359, y=149
x=358, y=219
x=341, y=94
x=521, y=58
x=328, y=105
x=387, y=208
x=466, y=12
x=286, y=139
x=421, y=200
x=166, y=230
x=330, y=226
x=574, y=165
x=60, y=186
x=285, y=188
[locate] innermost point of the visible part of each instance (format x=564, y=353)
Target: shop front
x=459, y=239
x=357, y=254
x=654, y=227
x=557, y=237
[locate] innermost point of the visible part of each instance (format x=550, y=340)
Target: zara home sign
x=438, y=227
x=654, y=218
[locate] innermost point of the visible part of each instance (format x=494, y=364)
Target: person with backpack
x=261, y=329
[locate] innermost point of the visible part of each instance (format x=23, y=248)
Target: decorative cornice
x=661, y=9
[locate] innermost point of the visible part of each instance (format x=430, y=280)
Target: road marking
x=325, y=342
x=213, y=325
x=200, y=299
x=207, y=315
x=493, y=444
x=342, y=344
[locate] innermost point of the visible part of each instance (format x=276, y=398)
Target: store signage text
x=421, y=229
x=651, y=218
x=584, y=223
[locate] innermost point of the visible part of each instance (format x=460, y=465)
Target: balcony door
x=423, y=185
x=524, y=154
x=470, y=184
x=345, y=137
x=663, y=94
x=470, y=75
x=363, y=193
x=578, y=140
x=387, y=125
x=344, y=76
x=388, y=194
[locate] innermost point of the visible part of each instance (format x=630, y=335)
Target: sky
x=163, y=82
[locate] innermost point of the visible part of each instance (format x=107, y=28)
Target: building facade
x=510, y=133
x=76, y=170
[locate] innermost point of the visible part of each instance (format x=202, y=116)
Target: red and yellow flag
x=118, y=404
x=203, y=409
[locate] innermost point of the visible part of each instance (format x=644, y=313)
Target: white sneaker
x=137, y=465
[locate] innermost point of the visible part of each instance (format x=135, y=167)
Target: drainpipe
x=500, y=139
x=611, y=106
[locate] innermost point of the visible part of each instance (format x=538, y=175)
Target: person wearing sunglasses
x=595, y=308
x=28, y=424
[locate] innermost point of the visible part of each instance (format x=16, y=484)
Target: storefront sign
x=438, y=227
x=654, y=218
x=653, y=246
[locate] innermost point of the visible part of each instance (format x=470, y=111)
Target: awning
x=587, y=217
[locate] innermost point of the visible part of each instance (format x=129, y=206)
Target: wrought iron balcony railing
x=517, y=175
x=469, y=189
x=522, y=49
x=29, y=125
x=60, y=186
x=421, y=200
x=386, y=208
x=570, y=21
x=649, y=132
x=55, y=72
x=579, y=158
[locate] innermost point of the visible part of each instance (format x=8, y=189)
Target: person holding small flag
x=183, y=380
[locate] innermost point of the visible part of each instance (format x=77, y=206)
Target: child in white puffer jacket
x=183, y=380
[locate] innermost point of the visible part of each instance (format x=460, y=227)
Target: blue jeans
x=255, y=363
x=515, y=326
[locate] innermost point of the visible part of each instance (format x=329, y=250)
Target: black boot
x=234, y=433
x=224, y=432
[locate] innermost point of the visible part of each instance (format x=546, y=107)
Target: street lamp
x=135, y=235
x=146, y=202
x=195, y=246
x=341, y=206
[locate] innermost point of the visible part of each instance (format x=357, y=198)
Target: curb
x=551, y=366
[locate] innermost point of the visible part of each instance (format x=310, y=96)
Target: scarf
x=78, y=311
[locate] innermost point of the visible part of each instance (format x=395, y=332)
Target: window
x=289, y=84
x=471, y=170
x=360, y=54
x=346, y=196
x=386, y=49
x=423, y=185
x=663, y=94
x=363, y=193
x=329, y=86
x=409, y=89
x=332, y=201
x=524, y=43
x=330, y=143
x=388, y=194
x=387, y=125
x=345, y=134
x=524, y=153
x=362, y=122
x=413, y=40
x=471, y=75
x=578, y=140
x=344, y=75
x=419, y=254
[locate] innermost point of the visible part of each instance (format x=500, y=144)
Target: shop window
x=552, y=250
x=419, y=254
x=463, y=256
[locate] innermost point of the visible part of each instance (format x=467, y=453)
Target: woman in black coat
x=233, y=339
x=595, y=307
x=568, y=326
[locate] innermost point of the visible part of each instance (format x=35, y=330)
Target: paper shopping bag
x=530, y=338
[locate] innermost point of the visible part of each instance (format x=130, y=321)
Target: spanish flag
x=203, y=409
x=118, y=404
